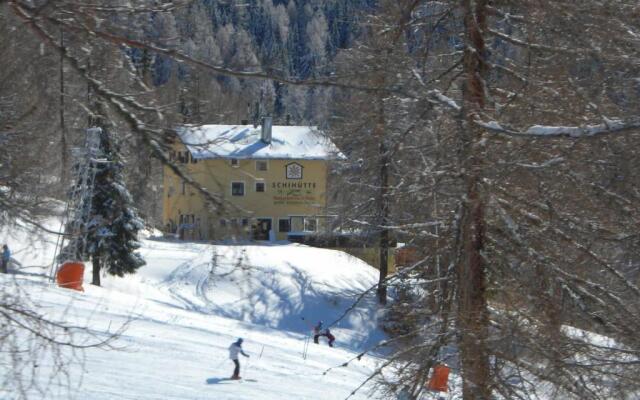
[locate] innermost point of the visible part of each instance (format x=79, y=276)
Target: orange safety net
x=70, y=275
x=440, y=378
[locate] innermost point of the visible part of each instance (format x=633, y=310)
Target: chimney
x=266, y=130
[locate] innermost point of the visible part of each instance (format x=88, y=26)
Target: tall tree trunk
x=96, y=271
x=473, y=316
x=383, y=242
x=473, y=313
x=383, y=200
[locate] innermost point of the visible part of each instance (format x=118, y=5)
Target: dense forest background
x=294, y=39
x=297, y=39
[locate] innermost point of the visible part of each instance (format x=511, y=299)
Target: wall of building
x=283, y=197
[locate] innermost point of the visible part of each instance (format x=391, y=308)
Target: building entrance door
x=261, y=231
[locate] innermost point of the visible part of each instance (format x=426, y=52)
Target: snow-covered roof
x=243, y=141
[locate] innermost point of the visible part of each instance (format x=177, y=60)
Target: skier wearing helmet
x=234, y=350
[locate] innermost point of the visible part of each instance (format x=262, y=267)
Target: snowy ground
x=182, y=314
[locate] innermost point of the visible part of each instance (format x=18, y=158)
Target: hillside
x=179, y=317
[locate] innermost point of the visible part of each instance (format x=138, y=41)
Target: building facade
x=272, y=179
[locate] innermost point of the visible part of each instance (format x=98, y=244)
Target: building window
x=237, y=188
x=183, y=157
x=284, y=225
x=184, y=187
x=245, y=221
x=261, y=165
x=223, y=222
x=234, y=162
x=260, y=187
x=296, y=224
x=187, y=221
x=310, y=224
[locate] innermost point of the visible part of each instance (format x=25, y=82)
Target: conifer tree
x=112, y=226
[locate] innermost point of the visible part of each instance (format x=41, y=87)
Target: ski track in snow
x=182, y=322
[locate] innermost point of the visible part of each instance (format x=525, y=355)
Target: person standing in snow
x=234, y=350
x=329, y=336
x=317, y=332
x=6, y=256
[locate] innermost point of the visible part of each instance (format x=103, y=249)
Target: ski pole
x=304, y=346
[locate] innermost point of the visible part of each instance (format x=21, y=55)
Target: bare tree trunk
x=96, y=271
x=473, y=318
x=473, y=314
x=383, y=200
x=384, y=222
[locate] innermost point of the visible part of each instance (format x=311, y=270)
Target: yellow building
x=273, y=179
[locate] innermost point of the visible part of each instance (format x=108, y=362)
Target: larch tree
x=33, y=151
x=28, y=104
x=371, y=127
x=532, y=259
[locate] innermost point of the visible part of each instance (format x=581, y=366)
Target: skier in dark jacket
x=317, y=332
x=329, y=336
x=234, y=350
x=4, y=261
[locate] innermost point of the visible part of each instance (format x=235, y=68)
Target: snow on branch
x=535, y=46
x=607, y=127
x=584, y=249
x=125, y=105
x=442, y=99
x=505, y=15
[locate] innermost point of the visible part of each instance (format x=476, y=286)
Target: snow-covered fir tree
x=111, y=227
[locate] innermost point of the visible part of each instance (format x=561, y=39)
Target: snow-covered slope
x=181, y=312
x=273, y=286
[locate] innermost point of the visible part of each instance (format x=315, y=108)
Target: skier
x=234, y=349
x=329, y=336
x=317, y=332
x=6, y=256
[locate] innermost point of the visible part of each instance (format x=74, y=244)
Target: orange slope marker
x=439, y=379
x=70, y=275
